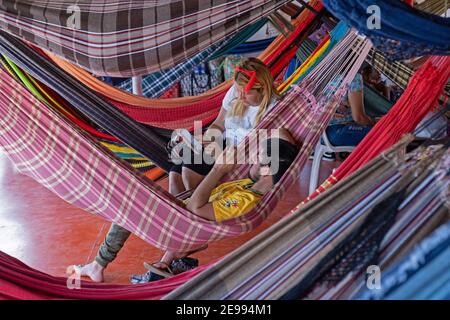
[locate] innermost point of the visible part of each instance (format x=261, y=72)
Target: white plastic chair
x=319, y=151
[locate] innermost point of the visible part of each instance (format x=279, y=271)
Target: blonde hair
x=264, y=85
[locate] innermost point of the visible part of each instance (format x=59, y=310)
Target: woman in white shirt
x=246, y=102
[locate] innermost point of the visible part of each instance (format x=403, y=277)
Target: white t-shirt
x=236, y=128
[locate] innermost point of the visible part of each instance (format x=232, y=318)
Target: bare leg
x=191, y=179
x=176, y=185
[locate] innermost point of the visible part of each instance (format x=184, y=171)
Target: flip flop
x=169, y=272
x=159, y=271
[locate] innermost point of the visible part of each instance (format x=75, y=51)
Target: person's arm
x=218, y=124
x=356, y=102
x=199, y=201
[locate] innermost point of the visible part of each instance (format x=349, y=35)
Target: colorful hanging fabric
x=295, y=246
x=401, y=31
x=119, y=195
x=155, y=84
x=167, y=113
x=420, y=97
x=302, y=22
x=20, y=282
x=103, y=114
x=129, y=38
x=395, y=279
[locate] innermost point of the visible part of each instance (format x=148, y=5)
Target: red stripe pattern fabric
x=20, y=282
x=129, y=38
x=419, y=98
x=52, y=151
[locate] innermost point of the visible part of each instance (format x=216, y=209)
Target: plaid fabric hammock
x=20, y=282
x=302, y=22
x=155, y=84
x=129, y=38
x=404, y=32
x=37, y=140
x=298, y=112
x=170, y=113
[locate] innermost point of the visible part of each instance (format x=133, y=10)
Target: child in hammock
x=235, y=198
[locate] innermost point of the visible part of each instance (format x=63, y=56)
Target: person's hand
x=224, y=168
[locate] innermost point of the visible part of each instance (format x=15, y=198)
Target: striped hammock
x=128, y=38
x=72, y=165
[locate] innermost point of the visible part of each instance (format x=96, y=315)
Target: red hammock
x=19, y=281
x=419, y=98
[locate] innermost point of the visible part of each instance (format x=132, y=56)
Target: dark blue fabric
x=405, y=32
x=347, y=134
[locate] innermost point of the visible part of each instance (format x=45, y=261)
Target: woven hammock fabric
x=20, y=282
x=71, y=165
x=404, y=32
x=160, y=115
x=420, y=97
x=155, y=84
x=129, y=38
x=301, y=22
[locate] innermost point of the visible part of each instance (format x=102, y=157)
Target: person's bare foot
x=92, y=270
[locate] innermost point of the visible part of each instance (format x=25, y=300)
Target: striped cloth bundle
x=129, y=38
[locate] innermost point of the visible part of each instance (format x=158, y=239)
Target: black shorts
x=200, y=168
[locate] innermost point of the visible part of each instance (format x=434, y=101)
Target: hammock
x=155, y=84
x=396, y=71
x=137, y=136
x=135, y=37
x=162, y=113
x=21, y=281
x=287, y=253
x=404, y=31
x=51, y=99
x=37, y=140
x=273, y=51
x=140, y=138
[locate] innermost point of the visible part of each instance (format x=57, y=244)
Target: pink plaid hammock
x=46, y=147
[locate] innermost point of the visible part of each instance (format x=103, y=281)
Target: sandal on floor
x=145, y=278
x=165, y=272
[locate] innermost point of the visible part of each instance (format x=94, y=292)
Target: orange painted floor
x=49, y=234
